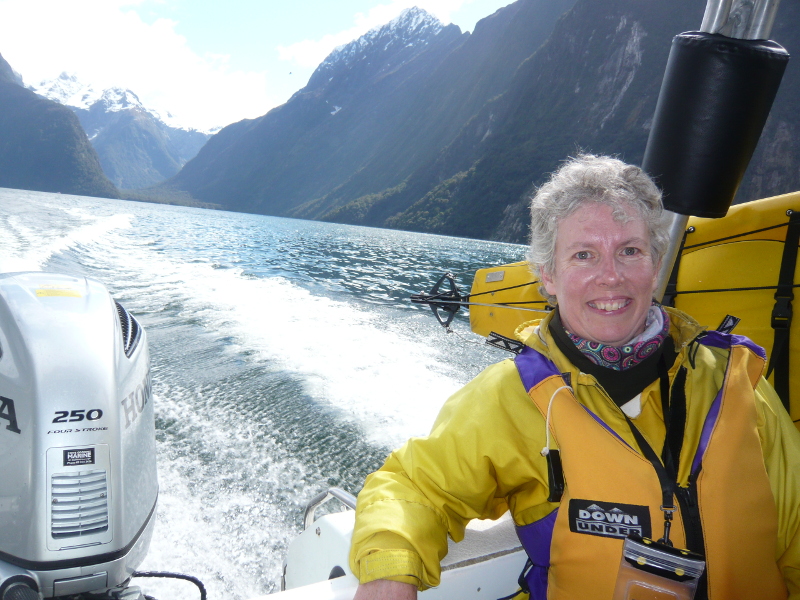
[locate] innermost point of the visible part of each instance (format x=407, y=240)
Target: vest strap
x=672, y=283
x=782, y=311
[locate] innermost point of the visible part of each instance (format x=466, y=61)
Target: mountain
x=417, y=126
x=355, y=102
x=372, y=113
x=43, y=146
x=592, y=86
x=136, y=147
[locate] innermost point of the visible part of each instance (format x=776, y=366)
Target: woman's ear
x=547, y=281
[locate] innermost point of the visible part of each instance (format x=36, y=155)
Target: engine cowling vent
x=131, y=330
x=79, y=504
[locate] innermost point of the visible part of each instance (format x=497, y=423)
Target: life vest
x=613, y=490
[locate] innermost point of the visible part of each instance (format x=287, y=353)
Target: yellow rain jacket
x=483, y=458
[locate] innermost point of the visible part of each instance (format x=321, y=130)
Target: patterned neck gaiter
x=631, y=354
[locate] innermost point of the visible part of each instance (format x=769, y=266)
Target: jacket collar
x=682, y=328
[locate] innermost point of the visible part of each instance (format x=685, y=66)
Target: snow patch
x=117, y=99
x=411, y=27
x=67, y=90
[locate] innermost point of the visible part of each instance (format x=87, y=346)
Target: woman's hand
x=385, y=589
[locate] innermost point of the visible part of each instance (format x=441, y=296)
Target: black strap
x=666, y=471
x=674, y=408
x=733, y=237
x=674, y=421
x=667, y=482
x=672, y=283
x=782, y=311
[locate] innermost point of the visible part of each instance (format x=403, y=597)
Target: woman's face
x=604, y=275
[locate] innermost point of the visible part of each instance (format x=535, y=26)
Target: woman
x=661, y=426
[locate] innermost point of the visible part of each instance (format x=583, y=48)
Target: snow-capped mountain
x=388, y=46
x=137, y=147
x=353, y=112
x=67, y=90
x=412, y=27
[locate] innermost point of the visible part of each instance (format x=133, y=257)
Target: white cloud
x=309, y=53
x=106, y=44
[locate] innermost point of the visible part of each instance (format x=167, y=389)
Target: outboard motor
x=78, y=483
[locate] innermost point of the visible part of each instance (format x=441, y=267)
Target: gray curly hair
x=589, y=178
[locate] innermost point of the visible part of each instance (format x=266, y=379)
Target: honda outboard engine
x=78, y=481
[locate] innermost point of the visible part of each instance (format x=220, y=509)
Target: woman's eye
x=630, y=251
x=582, y=255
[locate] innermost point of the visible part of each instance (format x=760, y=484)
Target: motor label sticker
x=8, y=413
x=51, y=291
x=74, y=458
x=608, y=519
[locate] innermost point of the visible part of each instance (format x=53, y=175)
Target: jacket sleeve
x=483, y=448
x=780, y=442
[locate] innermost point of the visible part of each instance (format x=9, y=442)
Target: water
x=286, y=359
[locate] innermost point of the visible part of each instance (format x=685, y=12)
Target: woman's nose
x=609, y=271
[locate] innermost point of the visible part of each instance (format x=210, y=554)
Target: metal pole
x=716, y=15
x=676, y=227
x=741, y=19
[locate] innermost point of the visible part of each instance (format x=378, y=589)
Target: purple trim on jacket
x=725, y=341
x=536, y=538
x=705, y=436
x=606, y=427
x=534, y=367
x=715, y=339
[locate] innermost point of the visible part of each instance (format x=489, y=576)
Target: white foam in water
x=26, y=249
x=346, y=356
x=208, y=525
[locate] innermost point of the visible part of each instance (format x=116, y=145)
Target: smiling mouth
x=609, y=305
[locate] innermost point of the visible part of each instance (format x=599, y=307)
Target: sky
x=208, y=63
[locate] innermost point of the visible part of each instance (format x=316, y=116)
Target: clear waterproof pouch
x=651, y=570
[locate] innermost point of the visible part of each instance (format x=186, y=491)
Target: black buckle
x=782, y=312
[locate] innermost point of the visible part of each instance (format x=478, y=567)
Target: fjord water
x=286, y=359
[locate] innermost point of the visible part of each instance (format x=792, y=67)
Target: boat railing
x=345, y=498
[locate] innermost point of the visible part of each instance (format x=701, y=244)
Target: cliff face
x=43, y=147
